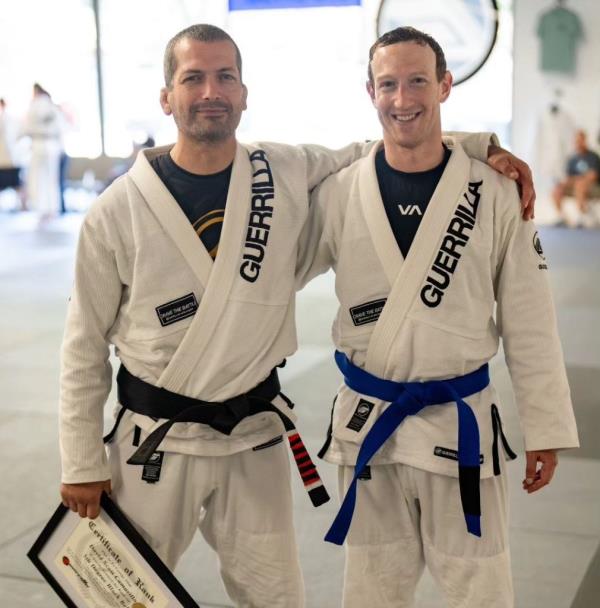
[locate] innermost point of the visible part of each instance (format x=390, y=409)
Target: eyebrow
x=395, y=76
x=193, y=71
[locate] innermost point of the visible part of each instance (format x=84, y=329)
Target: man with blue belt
x=434, y=264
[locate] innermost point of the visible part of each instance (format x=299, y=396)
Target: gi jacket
x=475, y=272
x=145, y=284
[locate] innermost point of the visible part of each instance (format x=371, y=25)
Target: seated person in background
x=583, y=172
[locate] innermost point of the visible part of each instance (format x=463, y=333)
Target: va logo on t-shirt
x=409, y=209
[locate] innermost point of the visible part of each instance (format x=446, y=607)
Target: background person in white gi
x=205, y=318
x=43, y=124
x=424, y=242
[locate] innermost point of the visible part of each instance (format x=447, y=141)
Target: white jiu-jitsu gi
x=43, y=124
x=145, y=283
x=432, y=316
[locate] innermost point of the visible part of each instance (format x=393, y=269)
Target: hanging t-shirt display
x=559, y=31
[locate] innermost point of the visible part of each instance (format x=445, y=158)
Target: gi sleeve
x=86, y=374
x=317, y=245
x=527, y=323
x=322, y=162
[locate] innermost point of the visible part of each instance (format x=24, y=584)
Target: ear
x=371, y=91
x=244, y=97
x=164, y=101
x=445, y=86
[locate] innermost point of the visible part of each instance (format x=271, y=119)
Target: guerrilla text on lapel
x=257, y=234
x=456, y=237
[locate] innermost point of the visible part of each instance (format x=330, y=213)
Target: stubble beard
x=215, y=135
x=211, y=133
x=204, y=131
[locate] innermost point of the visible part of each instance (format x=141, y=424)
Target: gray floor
x=555, y=535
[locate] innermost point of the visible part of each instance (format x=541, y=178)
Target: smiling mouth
x=406, y=118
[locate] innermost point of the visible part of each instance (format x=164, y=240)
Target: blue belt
x=409, y=398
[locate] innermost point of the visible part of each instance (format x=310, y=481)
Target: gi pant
x=43, y=189
x=242, y=504
x=407, y=518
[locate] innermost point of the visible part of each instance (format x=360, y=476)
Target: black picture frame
x=143, y=552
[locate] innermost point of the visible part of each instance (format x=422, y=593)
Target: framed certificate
x=104, y=563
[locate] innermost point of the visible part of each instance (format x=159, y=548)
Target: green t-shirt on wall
x=559, y=31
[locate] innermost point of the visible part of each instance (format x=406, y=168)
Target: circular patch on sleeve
x=537, y=245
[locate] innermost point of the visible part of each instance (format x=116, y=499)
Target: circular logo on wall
x=537, y=245
x=465, y=29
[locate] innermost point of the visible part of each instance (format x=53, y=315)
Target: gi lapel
x=171, y=217
x=224, y=270
x=410, y=276
x=376, y=218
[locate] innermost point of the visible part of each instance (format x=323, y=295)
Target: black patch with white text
x=178, y=309
x=450, y=454
x=367, y=313
x=268, y=444
x=361, y=414
x=365, y=473
x=151, y=472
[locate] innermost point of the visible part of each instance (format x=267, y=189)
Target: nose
x=211, y=90
x=401, y=97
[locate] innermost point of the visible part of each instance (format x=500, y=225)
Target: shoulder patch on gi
x=361, y=414
x=367, y=313
x=450, y=454
x=537, y=245
x=178, y=309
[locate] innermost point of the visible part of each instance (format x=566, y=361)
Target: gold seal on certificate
x=104, y=563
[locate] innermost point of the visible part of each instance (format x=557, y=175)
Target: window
x=53, y=43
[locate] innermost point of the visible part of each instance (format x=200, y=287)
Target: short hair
x=410, y=34
x=203, y=32
x=38, y=88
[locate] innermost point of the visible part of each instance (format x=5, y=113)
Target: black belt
x=143, y=398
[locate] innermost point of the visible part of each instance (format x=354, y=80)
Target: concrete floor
x=555, y=535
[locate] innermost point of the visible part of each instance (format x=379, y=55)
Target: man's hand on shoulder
x=536, y=479
x=514, y=168
x=84, y=498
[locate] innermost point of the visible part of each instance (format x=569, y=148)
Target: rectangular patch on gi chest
x=151, y=472
x=361, y=414
x=176, y=310
x=450, y=454
x=367, y=313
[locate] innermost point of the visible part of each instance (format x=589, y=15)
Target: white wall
x=533, y=90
